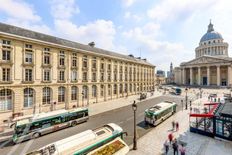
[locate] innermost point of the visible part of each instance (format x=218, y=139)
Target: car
x=213, y=95
x=143, y=96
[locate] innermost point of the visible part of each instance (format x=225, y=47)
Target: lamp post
x=134, y=107
x=82, y=98
x=182, y=103
x=186, y=98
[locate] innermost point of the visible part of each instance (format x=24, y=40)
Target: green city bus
x=88, y=143
x=159, y=112
x=45, y=123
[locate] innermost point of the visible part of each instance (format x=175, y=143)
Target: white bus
x=159, y=112
x=44, y=123
x=89, y=142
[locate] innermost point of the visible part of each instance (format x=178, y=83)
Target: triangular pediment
x=207, y=60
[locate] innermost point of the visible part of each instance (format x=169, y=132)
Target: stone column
x=184, y=76
x=208, y=75
x=191, y=75
x=229, y=76
x=218, y=76
x=199, y=76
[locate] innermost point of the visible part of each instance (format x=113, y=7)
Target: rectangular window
x=28, y=74
x=5, y=55
x=102, y=76
x=85, y=62
x=109, y=77
x=5, y=74
x=94, y=63
x=109, y=67
x=61, y=75
x=94, y=77
x=46, y=57
x=115, y=76
x=62, y=58
x=28, y=46
x=28, y=57
x=74, y=60
x=84, y=76
x=102, y=65
x=74, y=75
x=46, y=75
x=6, y=44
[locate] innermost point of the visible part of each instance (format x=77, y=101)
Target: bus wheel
x=74, y=123
x=36, y=135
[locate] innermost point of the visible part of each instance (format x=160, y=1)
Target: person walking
x=177, y=126
x=175, y=147
x=170, y=137
x=166, y=147
x=173, y=125
x=182, y=150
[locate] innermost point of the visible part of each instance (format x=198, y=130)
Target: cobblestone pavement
x=152, y=142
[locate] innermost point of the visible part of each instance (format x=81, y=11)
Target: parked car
x=213, y=95
x=143, y=96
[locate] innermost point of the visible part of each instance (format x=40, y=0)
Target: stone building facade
x=39, y=73
x=212, y=65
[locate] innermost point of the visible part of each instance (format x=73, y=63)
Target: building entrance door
x=204, y=80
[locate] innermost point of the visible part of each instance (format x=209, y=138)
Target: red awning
x=209, y=114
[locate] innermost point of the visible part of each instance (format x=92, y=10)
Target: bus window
x=56, y=120
x=46, y=123
x=35, y=125
x=20, y=129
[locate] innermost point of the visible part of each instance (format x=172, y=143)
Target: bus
x=89, y=142
x=45, y=123
x=159, y=112
x=175, y=90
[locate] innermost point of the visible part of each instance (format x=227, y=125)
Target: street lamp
x=186, y=98
x=134, y=107
x=182, y=103
x=82, y=98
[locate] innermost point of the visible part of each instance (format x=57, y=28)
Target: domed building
x=212, y=64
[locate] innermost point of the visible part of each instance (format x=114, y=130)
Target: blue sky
x=163, y=31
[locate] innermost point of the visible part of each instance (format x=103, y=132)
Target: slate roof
x=21, y=32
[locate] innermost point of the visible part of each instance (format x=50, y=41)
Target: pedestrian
x=170, y=137
x=173, y=125
x=177, y=126
x=182, y=150
x=175, y=147
x=166, y=146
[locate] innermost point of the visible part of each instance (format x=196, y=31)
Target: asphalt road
x=122, y=116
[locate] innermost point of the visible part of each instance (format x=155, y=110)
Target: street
x=122, y=116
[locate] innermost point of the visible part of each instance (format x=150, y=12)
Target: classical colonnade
x=218, y=75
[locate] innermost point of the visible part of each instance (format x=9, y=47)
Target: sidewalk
x=152, y=142
x=97, y=108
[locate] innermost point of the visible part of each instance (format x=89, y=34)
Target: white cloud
x=129, y=15
x=128, y=3
x=178, y=9
x=22, y=14
x=160, y=53
x=100, y=31
x=19, y=10
x=63, y=9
